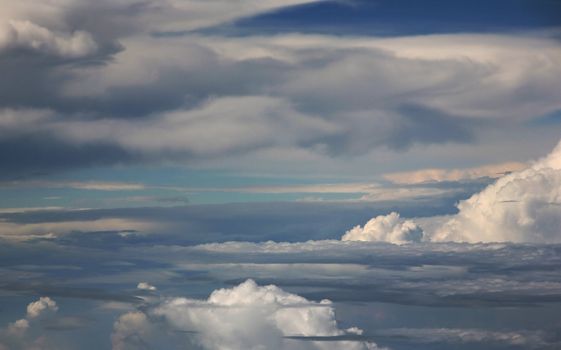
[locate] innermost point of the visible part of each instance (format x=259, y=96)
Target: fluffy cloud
x=17, y=334
x=35, y=309
x=386, y=228
x=524, y=206
x=247, y=316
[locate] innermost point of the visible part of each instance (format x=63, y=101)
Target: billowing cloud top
x=386, y=228
x=524, y=206
x=246, y=316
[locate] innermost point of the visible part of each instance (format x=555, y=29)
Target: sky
x=280, y=174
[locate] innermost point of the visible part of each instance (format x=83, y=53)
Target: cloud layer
x=127, y=70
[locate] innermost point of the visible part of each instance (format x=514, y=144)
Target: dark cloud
x=29, y=154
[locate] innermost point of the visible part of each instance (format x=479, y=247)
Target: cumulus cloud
x=35, y=309
x=17, y=334
x=386, y=228
x=247, y=316
x=129, y=331
x=524, y=206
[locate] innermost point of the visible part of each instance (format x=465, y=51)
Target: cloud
x=299, y=94
x=18, y=334
x=79, y=185
x=523, y=339
x=247, y=316
x=129, y=330
x=51, y=230
x=29, y=36
x=523, y=206
x=389, y=228
x=233, y=124
x=146, y=286
x=35, y=309
x=439, y=175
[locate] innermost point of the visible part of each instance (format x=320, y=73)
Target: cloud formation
x=524, y=206
x=25, y=35
x=386, y=228
x=35, y=309
x=17, y=334
x=247, y=316
x=438, y=175
x=146, y=286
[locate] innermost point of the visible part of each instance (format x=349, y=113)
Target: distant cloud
x=129, y=330
x=146, y=286
x=79, y=185
x=18, y=334
x=35, y=309
x=524, y=339
x=523, y=206
x=51, y=230
x=438, y=175
x=389, y=228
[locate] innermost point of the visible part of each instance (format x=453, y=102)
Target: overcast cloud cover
x=280, y=174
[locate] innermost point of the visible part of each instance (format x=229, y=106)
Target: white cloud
x=146, y=286
x=35, y=309
x=524, y=206
x=386, y=228
x=247, y=316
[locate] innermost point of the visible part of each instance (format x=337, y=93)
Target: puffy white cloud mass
x=247, y=316
x=524, y=206
x=35, y=309
x=521, y=206
x=386, y=228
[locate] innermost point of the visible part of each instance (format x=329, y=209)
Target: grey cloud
x=38, y=153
